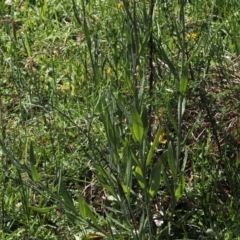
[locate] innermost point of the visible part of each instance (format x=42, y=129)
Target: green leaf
x=110, y=129
x=27, y=47
x=31, y=154
x=123, y=200
x=139, y=176
x=66, y=197
x=76, y=14
x=94, y=236
x=183, y=84
x=137, y=125
x=152, y=148
x=155, y=179
x=128, y=164
x=35, y=175
x=85, y=210
x=181, y=106
x=170, y=44
x=145, y=118
x=172, y=160
x=181, y=186
x=70, y=209
x=43, y=209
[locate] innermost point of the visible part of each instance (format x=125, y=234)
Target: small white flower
x=18, y=205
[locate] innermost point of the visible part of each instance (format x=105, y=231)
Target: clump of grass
x=112, y=125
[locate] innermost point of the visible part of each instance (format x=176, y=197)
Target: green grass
x=119, y=119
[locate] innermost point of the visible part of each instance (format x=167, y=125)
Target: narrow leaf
x=85, y=210
x=145, y=119
x=35, y=175
x=181, y=106
x=183, y=84
x=31, y=153
x=94, y=236
x=139, y=176
x=69, y=208
x=152, y=148
x=66, y=197
x=137, y=125
x=155, y=179
x=27, y=47
x=43, y=209
x=180, y=187
x=172, y=160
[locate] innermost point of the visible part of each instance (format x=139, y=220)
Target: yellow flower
x=108, y=70
x=120, y=5
x=162, y=138
x=191, y=36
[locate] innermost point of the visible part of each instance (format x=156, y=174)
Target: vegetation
x=119, y=119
